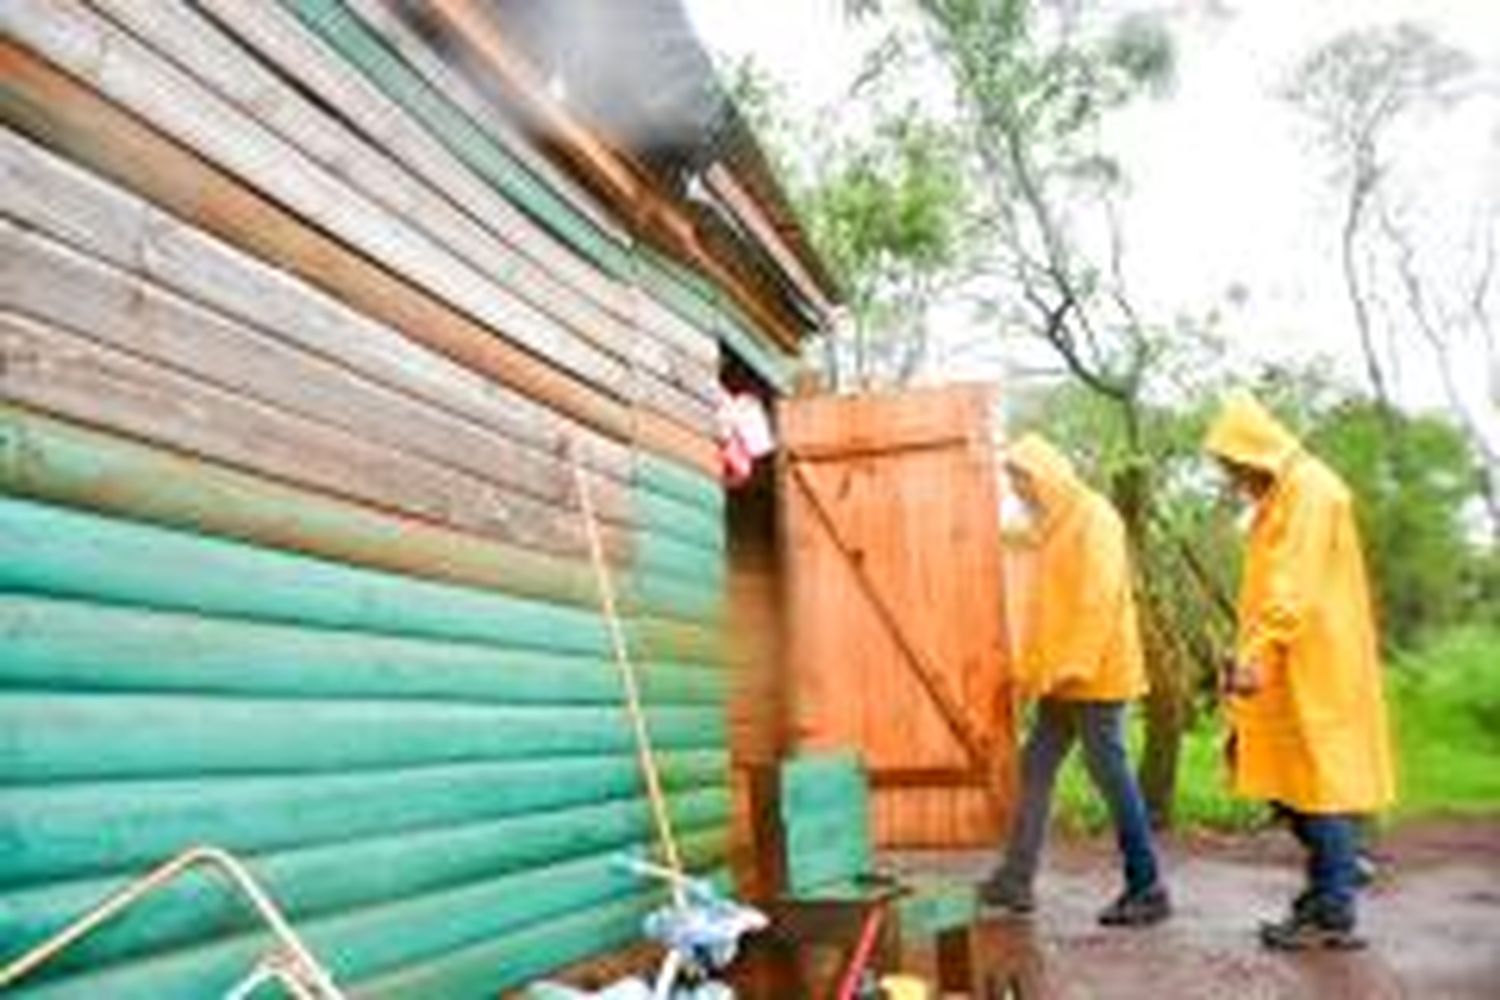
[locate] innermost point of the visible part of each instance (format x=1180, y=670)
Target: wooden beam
x=61, y=463
x=722, y=181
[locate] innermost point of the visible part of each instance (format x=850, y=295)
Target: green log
x=97, y=737
x=341, y=876
x=515, y=960
x=375, y=940
x=53, y=644
x=52, y=550
x=84, y=828
x=677, y=481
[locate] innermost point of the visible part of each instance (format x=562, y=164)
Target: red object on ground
x=868, y=934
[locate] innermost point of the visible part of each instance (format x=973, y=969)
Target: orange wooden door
x=895, y=617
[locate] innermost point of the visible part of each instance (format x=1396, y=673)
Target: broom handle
x=632, y=690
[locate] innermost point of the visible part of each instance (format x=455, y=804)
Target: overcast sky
x=1225, y=189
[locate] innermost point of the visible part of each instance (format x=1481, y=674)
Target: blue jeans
x=1101, y=726
x=1332, y=845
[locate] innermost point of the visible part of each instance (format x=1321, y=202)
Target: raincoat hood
x=1057, y=484
x=1247, y=433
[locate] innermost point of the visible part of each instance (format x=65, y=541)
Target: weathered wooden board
x=378, y=40
x=105, y=222
x=135, y=78
x=895, y=628
x=42, y=102
x=47, y=368
x=543, y=302
x=221, y=62
x=54, y=284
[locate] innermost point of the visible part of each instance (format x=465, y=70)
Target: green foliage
x=886, y=206
x=1446, y=701
x=1410, y=512
x=890, y=208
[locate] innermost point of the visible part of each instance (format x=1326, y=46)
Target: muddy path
x=1432, y=919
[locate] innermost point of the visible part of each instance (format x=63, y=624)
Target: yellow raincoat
x=1315, y=736
x=1082, y=642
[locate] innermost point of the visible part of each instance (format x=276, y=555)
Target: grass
x=1446, y=702
x=1445, y=708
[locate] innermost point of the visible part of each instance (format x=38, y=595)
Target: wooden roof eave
x=650, y=213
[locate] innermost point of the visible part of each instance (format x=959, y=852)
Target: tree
x=1358, y=90
x=1034, y=82
x=1362, y=92
x=885, y=206
x=886, y=214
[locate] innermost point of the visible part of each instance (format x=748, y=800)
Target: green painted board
x=57, y=645
x=74, y=829
x=934, y=906
x=825, y=813
x=461, y=135
x=677, y=481
x=699, y=302
x=59, y=462
x=54, y=550
x=348, y=874
x=680, y=522
x=52, y=737
x=365, y=942
x=514, y=960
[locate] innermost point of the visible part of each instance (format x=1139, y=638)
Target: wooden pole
x=641, y=729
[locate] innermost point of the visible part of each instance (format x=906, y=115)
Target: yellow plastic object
x=1314, y=735
x=904, y=988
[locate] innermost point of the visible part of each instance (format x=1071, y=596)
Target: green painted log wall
x=418, y=770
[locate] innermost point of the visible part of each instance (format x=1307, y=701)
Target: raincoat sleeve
x=1101, y=578
x=1295, y=547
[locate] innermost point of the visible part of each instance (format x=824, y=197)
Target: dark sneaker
x=998, y=893
x=1308, y=927
x=1366, y=871
x=1138, y=909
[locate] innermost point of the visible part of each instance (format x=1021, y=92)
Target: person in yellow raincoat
x=1307, y=706
x=1082, y=661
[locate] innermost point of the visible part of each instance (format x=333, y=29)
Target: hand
x=1244, y=679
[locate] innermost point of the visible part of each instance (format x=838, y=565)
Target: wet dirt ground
x=1432, y=920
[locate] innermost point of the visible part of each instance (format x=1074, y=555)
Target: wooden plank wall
x=298, y=342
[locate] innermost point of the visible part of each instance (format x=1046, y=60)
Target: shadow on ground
x=1433, y=920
